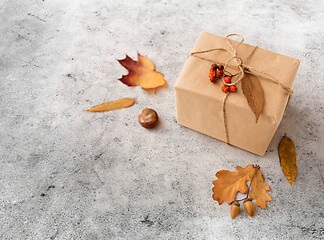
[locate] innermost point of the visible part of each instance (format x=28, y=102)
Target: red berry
x=227, y=79
x=214, y=66
x=212, y=74
x=233, y=88
x=219, y=73
x=221, y=67
x=225, y=88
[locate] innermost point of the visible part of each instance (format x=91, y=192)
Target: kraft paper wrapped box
x=199, y=102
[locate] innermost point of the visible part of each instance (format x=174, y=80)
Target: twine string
x=267, y=77
x=224, y=116
x=243, y=68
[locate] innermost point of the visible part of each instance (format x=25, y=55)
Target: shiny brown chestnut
x=148, y=118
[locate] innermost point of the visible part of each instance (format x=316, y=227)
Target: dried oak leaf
x=229, y=183
x=259, y=190
x=253, y=92
x=108, y=106
x=141, y=73
x=288, y=159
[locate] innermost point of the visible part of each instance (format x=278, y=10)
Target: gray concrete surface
x=70, y=174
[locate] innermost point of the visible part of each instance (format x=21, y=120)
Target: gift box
x=204, y=107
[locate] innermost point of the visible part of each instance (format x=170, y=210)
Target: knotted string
x=243, y=68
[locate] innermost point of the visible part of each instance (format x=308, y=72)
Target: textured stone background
x=69, y=174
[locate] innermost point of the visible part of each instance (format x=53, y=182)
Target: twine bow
x=243, y=68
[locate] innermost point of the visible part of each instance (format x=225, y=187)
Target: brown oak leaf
x=229, y=183
x=259, y=190
x=141, y=73
x=253, y=92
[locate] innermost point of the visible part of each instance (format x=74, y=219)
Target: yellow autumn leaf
x=288, y=159
x=108, y=106
x=141, y=73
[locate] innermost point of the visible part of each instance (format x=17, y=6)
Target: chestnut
x=148, y=118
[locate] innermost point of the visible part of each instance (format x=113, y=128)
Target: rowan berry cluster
x=216, y=72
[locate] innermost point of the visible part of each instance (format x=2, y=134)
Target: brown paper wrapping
x=199, y=102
